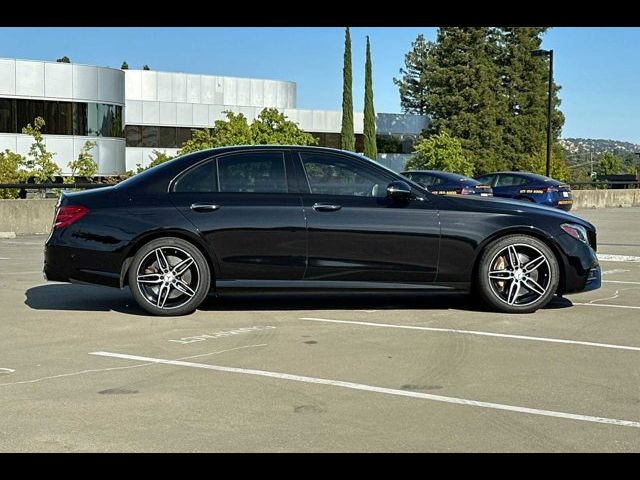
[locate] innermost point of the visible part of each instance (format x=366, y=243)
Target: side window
x=333, y=175
x=252, y=172
x=487, y=179
x=425, y=179
x=508, y=181
x=201, y=179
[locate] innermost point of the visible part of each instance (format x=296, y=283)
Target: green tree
x=609, y=164
x=462, y=98
x=39, y=161
x=124, y=66
x=537, y=163
x=10, y=164
x=272, y=127
x=370, y=147
x=83, y=166
x=347, y=135
x=440, y=152
x=64, y=59
x=524, y=83
x=146, y=67
x=413, y=84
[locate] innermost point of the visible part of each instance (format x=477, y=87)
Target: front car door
x=241, y=204
x=355, y=233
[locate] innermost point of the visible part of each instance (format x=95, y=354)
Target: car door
x=507, y=186
x=241, y=204
x=355, y=233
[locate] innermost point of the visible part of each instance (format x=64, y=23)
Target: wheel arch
x=541, y=235
x=139, y=242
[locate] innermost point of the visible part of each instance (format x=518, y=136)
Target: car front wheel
x=518, y=274
x=169, y=277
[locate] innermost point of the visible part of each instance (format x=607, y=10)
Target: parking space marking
x=476, y=332
x=99, y=370
x=606, y=257
x=620, y=281
x=375, y=389
x=4, y=371
x=617, y=270
x=606, y=305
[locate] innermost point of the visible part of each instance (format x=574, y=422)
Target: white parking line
x=606, y=305
x=484, y=334
x=615, y=270
x=372, y=388
x=620, y=281
x=607, y=257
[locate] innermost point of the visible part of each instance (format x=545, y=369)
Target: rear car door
x=241, y=204
x=357, y=234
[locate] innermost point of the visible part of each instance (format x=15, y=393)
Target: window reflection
x=61, y=118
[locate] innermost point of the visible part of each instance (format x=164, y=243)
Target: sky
x=598, y=68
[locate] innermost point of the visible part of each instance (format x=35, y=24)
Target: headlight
x=576, y=231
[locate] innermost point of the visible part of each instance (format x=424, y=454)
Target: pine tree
x=124, y=66
x=524, y=84
x=347, y=136
x=412, y=84
x=370, y=148
x=462, y=97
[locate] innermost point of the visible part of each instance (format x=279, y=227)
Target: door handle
x=326, y=207
x=204, y=207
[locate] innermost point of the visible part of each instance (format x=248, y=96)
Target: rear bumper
x=63, y=264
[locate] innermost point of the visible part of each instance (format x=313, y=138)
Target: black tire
x=517, y=289
x=158, y=283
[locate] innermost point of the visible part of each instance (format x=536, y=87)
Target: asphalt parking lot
x=82, y=368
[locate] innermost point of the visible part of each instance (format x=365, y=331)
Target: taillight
x=467, y=191
x=68, y=214
x=551, y=189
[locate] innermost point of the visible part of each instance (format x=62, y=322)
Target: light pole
x=547, y=53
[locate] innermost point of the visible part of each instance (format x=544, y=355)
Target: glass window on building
x=182, y=135
x=133, y=135
x=80, y=112
x=8, y=121
x=167, y=137
x=150, y=137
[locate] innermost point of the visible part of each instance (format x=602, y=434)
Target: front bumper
x=594, y=279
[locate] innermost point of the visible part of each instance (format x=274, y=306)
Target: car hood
x=507, y=206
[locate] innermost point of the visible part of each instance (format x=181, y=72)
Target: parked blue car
x=529, y=187
x=446, y=183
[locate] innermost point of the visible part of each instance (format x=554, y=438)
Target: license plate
x=565, y=194
x=484, y=194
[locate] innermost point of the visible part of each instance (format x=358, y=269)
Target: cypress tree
x=370, y=148
x=347, y=136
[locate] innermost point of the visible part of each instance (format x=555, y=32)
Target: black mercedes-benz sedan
x=310, y=218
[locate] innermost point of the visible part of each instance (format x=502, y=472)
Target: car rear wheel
x=518, y=274
x=169, y=277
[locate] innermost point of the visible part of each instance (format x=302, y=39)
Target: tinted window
x=201, y=179
x=252, y=172
x=334, y=175
x=487, y=179
x=425, y=179
x=509, y=181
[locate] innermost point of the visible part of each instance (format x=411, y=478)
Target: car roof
x=533, y=176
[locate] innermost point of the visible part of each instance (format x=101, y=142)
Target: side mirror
x=399, y=191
